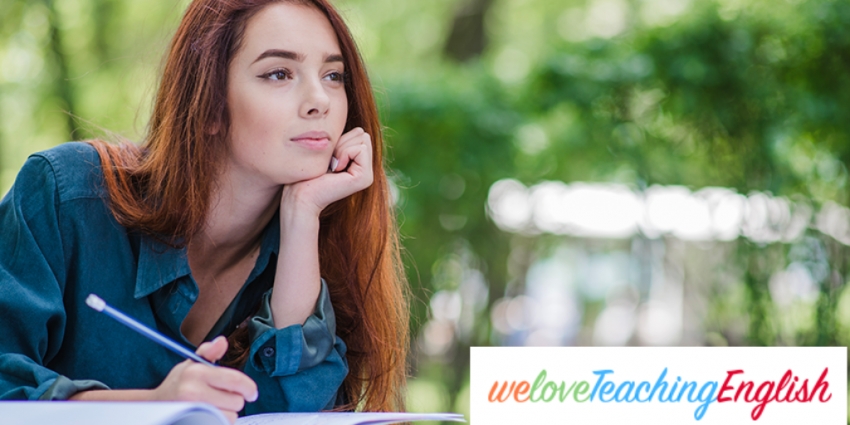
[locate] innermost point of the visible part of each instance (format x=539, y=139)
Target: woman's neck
x=237, y=216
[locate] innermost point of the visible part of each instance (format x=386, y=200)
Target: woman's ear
x=214, y=128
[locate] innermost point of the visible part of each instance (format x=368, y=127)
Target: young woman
x=256, y=209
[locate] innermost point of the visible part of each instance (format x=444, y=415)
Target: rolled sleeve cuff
x=283, y=352
x=63, y=388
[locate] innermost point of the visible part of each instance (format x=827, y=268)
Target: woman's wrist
x=299, y=230
x=293, y=203
x=293, y=216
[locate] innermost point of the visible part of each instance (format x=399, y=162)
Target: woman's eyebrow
x=298, y=57
x=334, y=58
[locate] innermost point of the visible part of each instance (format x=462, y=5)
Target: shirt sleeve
x=32, y=276
x=298, y=368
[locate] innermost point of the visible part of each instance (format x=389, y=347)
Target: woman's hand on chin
x=353, y=173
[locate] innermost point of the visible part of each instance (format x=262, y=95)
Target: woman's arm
x=299, y=368
x=113, y=395
x=225, y=388
x=297, y=279
x=33, y=311
x=296, y=285
x=32, y=278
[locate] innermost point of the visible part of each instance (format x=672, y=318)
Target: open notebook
x=161, y=413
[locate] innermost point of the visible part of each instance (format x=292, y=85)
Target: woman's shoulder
x=76, y=169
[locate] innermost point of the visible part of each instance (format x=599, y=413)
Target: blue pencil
x=98, y=304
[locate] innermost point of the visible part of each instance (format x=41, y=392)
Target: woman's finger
x=224, y=400
x=360, y=165
x=233, y=381
x=213, y=350
x=352, y=138
x=199, y=391
x=355, y=152
x=231, y=416
x=348, y=139
x=352, y=134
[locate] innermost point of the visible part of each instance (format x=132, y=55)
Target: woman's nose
x=316, y=101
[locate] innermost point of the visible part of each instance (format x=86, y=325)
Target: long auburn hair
x=163, y=188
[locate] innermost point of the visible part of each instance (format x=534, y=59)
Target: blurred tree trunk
x=460, y=370
x=468, y=39
x=756, y=276
x=103, y=10
x=63, y=88
x=830, y=291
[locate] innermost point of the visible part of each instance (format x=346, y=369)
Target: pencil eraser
x=95, y=302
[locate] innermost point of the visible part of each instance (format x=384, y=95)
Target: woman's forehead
x=300, y=29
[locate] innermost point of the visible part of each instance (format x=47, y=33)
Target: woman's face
x=286, y=96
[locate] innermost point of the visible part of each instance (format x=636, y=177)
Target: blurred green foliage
x=752, y=95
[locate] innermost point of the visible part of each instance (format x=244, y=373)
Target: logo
x=763, y=385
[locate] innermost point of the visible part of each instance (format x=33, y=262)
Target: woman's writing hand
x=352, y=174
x=223, y=387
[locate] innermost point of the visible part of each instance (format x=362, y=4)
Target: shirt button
x=268, y=351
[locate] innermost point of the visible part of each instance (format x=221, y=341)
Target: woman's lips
x=316, y=140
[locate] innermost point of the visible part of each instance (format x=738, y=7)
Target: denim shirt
x=59, y=242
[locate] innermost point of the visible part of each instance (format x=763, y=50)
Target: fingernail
x=334, y=163
x=254, y=398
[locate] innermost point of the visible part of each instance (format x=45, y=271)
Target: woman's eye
x=277, y=75
x=336, y=77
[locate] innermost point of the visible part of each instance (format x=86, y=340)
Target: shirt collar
x=160, y=264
